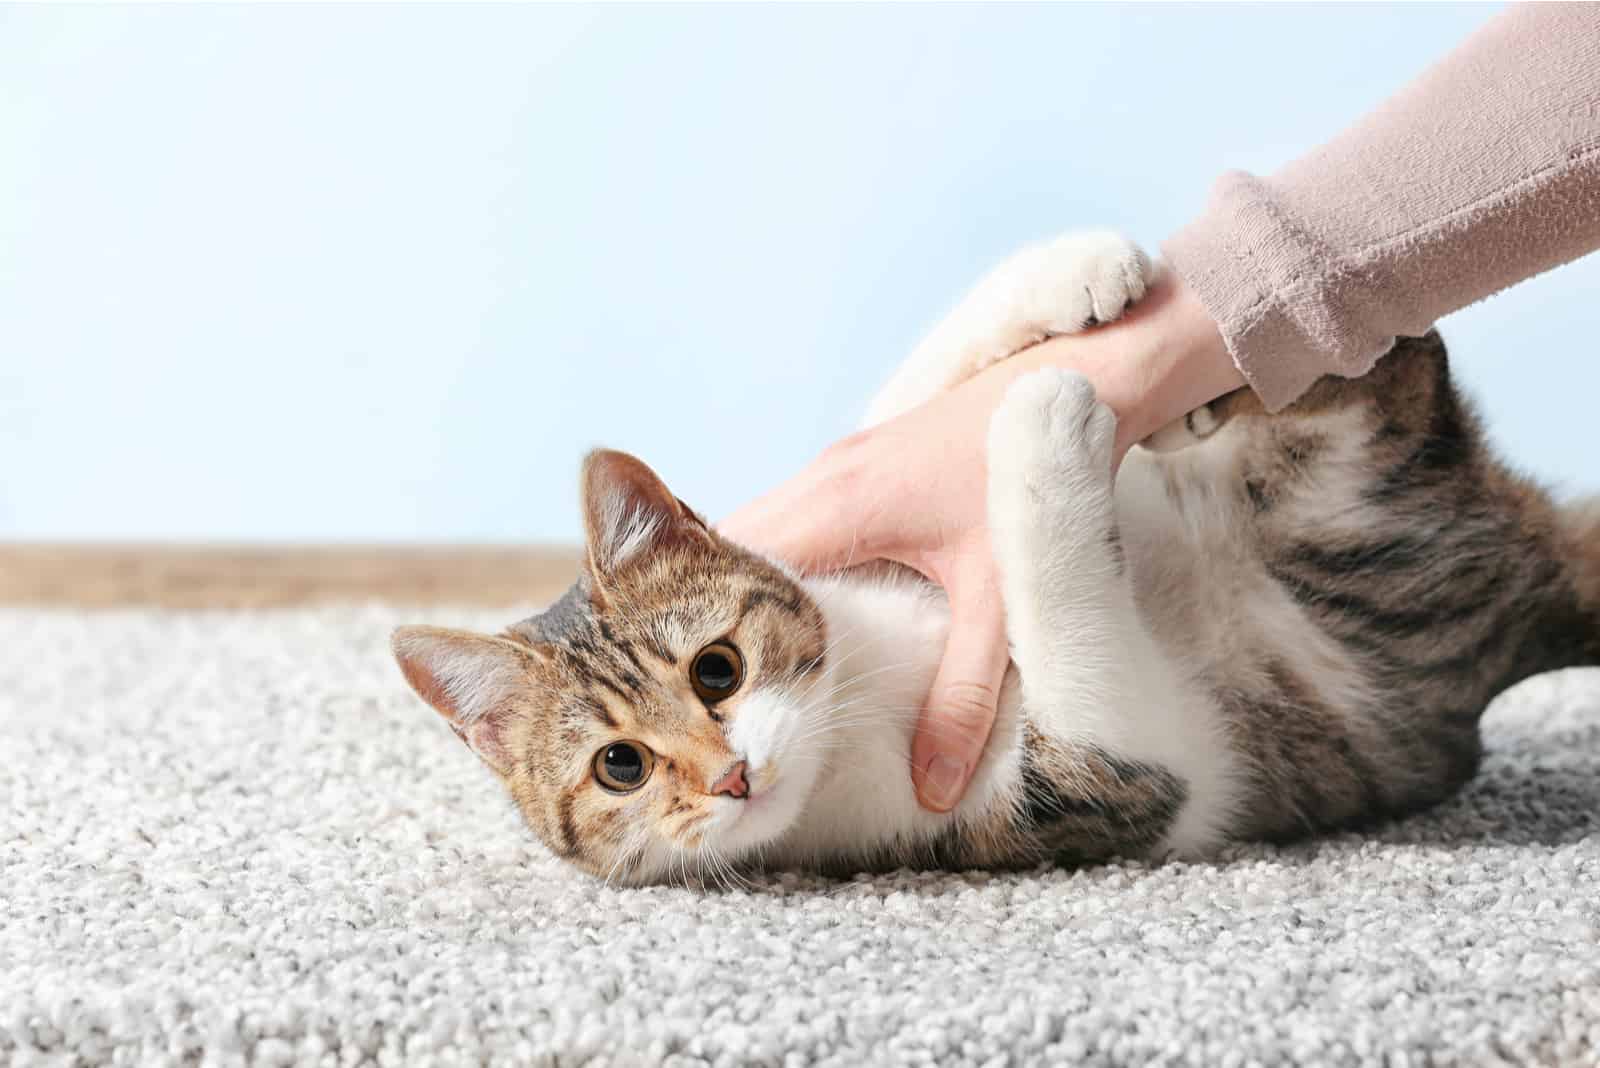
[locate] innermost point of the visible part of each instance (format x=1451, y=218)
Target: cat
x=1271, y=625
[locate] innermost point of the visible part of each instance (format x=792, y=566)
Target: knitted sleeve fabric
x=1481, y=173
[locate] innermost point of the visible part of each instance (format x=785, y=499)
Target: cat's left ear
x=472, y=680
x=628, y=510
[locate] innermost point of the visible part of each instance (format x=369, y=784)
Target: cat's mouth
x=763, y=814
x=758, y=793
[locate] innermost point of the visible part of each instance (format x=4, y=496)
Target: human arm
x=1482, y=172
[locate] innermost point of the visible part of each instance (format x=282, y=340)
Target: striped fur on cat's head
x=662, y=718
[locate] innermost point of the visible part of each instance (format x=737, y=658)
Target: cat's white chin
x=745, y=826
x=775, y=734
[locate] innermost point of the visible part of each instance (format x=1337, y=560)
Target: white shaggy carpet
x=239, y=838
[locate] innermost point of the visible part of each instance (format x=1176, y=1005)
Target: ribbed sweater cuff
x=1258, y=276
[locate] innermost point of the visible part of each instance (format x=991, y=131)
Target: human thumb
x=960, y=710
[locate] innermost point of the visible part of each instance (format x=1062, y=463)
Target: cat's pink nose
x=732, y=782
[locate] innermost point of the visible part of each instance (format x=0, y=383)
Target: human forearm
x=1483, y=172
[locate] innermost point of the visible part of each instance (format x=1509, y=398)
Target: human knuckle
x=968, y=703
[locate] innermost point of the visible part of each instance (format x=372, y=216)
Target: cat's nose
x=732, y=782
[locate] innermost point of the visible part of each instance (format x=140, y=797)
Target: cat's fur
x=1290, y=625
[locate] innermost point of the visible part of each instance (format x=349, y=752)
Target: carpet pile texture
x=238, y=839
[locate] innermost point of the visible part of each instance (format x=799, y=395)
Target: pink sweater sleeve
x=1483, y=172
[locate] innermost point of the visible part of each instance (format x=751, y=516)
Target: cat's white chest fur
x=886, y=637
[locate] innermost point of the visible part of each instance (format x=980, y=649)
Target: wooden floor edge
x=262, y=576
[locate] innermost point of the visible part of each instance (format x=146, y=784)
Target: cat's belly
x=1187, y=561
x=1203, y=590
x=1198, y=580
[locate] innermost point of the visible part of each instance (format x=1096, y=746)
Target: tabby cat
x=1272, y=625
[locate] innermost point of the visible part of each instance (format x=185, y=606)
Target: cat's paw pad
x=1082, y=280
x=1051, y=420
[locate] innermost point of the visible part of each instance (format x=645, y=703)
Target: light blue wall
x=367, y=272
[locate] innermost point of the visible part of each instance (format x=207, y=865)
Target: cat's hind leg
x=1060, y=287
x=1117, y=729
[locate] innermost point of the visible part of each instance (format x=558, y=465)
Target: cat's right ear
x=472, y=680
x=628, y=510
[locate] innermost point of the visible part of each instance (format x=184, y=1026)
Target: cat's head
x=660, y=719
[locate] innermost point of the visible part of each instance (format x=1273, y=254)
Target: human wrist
x=1184, y=361
x=1165, y=358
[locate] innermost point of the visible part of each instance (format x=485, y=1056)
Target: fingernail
x=942, y=782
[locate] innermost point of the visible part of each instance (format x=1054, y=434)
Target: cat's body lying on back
x=1275, y=625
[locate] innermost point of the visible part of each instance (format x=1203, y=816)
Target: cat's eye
x=623, y=766
x=717, y=671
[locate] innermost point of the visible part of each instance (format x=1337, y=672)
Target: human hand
x=913, y=490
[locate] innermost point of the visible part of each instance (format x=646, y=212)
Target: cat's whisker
x=683, y=868
x=845, y=681
x=835, y=666
x=636, y=853
x=716, y=865
x=727, y=870
x=622, y=855
x=855, y=718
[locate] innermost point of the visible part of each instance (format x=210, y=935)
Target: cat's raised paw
x=1080, y=280
x=1051, y=424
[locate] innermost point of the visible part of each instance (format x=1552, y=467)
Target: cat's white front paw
x=1078, y=280
x=1051, y=433
x=1059, y=287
